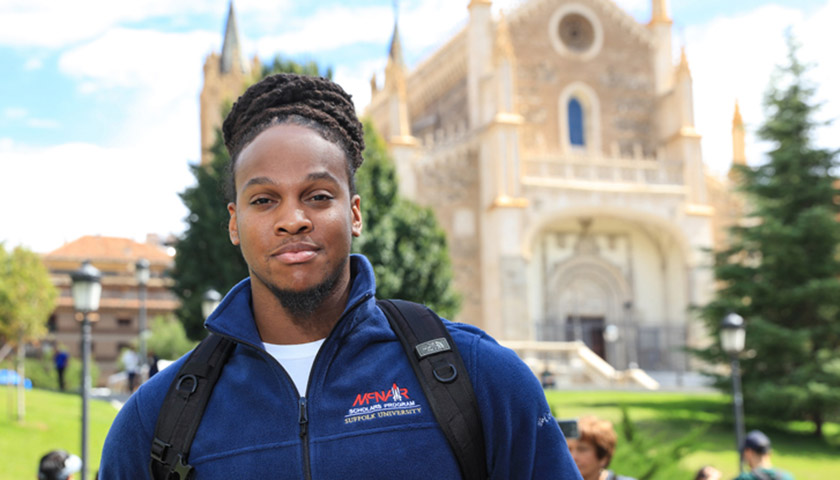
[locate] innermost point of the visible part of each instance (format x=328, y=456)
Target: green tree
x=781, y=271
x=206, y=259
x=169, y=339
x=27, y=298
x=403, y=241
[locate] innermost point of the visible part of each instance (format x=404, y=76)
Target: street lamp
x=142, y=274
x=210, y=301
x=86, y=291
x=732, y=336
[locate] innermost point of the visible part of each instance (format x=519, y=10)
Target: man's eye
x=321, y=197
x=260, y=201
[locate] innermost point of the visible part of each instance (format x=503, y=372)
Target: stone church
x=556, y=144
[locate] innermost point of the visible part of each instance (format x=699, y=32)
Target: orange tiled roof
x=110, y=248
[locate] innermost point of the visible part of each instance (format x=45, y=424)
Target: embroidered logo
x=380, y=404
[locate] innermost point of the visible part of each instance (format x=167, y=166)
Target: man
x=756, y=453
x=60, y=358
x=58, y=465
x=310, y=389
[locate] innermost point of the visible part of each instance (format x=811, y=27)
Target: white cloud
x=327, y=29
x=50, y=23
x=733, y=58
x=163, y=72
x=33, y=64
x=80, y=189
x=14, y=113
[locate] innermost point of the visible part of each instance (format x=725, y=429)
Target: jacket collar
x=234, y=316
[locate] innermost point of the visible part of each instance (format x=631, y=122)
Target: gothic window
x=576, y=131
x=579, y=119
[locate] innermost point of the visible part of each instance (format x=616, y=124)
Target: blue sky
x=99, y=99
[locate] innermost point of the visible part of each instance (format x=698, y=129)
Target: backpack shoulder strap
x=184, y=406
x=444, y=379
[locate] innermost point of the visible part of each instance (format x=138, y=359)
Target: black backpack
x=427, y=343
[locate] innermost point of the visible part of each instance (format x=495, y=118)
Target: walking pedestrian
x=60, y=359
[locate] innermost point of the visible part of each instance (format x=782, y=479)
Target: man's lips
x=296, y=253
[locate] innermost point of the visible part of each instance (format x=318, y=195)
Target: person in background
x=60, y=359
x=58, y=465
x=708, y=473
x=593, y=449
x=756, y=453
x=131, y=363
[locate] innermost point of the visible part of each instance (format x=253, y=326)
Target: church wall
x=443, y=117
x=449, y=184
x=621, y=76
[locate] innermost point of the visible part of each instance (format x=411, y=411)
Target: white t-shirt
x=297, y=360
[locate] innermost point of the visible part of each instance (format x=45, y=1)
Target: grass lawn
x=53, y=420
x=669, y=416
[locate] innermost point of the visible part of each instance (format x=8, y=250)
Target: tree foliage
x=781, y=271
x=206, y=259
x=402, y=240
x=27, y=296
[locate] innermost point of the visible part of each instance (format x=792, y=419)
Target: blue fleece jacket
x=364, y=415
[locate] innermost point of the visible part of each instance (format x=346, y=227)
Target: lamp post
x=732, y=336
x=142, y=274
x=210, y=301
x=86, y=290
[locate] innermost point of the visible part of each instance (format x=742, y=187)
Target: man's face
x=293, y=217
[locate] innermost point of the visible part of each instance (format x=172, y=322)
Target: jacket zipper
x=303, y=412
x=304, y=436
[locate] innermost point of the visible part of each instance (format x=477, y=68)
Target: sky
x=99, y=99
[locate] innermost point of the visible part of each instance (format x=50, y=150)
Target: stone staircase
x=573, y=364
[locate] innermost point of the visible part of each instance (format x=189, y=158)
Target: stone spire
x=659, y=11
x=395, y=88
x=231, y=58
x=739, y=152
x=660, y=26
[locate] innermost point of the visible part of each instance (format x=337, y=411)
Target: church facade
x=556, y=144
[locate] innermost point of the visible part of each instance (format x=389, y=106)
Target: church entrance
x=589, y=330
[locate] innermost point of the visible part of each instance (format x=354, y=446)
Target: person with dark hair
x=593, y=449
x=708, y=472
x=58, y=465
x=756, y=453
x=318, y=385
x=60, y=358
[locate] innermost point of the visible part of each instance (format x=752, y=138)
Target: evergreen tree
x=781, y=271
x=402, y=240
x=206, y=259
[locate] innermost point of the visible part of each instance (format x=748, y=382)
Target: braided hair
x=307, y=101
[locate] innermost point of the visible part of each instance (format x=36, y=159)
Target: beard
x=301, y=305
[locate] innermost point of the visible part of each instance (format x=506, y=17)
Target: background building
x=556, y=144
x=116, y=324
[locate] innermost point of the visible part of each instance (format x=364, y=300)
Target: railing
x=591, y=168
x=574, y=364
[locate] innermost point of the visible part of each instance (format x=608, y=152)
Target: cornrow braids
x=308, y=101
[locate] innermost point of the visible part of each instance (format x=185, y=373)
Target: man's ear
x=233, y=229
x=356, y=215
